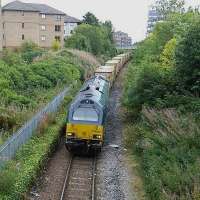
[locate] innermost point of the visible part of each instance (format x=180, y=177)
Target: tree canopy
x=93, y=36
x=166, y=7
x=90, y=18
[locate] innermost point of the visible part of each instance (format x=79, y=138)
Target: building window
x=22, y=36
x=43, y=38
x=22, y=13
x=3, y=37
x=3, y=25
x=22, y=25
x=43, y=27
x=57, y=38
x=57, y=28
x=43, y=16
x=58, y=17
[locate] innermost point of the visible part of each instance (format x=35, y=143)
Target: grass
x=19, y=174
x=166, y=145
x=14, y=117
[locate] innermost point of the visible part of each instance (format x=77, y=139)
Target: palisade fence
x=9, y=148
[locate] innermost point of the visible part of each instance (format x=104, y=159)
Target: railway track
x=79, y=181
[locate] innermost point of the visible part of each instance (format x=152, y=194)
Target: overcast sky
x=127, y=15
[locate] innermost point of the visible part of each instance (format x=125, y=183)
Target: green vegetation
x=56, y=45
x=93, y=36
x=162, y=90
x=18, y=175
x=30, y=78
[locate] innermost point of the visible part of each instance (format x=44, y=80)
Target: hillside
x=30, y=78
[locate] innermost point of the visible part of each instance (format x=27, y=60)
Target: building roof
x=69, y=19
x=31, y=7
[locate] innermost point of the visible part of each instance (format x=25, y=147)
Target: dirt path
x=113, y=176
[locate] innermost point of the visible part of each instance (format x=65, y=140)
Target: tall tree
x=188, y=59
x=109, y=27
x=165, y=7
x=90, y=18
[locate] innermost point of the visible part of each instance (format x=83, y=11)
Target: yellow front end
x=85, y=131
x=84, y=135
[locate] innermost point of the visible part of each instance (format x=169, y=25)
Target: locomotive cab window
x=86, y=114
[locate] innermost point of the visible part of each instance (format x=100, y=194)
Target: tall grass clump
x=167, y=146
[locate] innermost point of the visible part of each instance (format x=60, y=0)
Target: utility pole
x=1, y=30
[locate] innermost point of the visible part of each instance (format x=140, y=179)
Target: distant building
x=122, y=40
x=153, y=18
x=39, y=23
x=70, y=23
x=1, y=29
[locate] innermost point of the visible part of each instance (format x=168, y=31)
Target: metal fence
x=9, y=148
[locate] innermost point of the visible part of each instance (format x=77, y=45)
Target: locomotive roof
x=94, y=90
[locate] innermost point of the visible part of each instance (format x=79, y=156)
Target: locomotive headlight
x=70, y=134
x=97, y=137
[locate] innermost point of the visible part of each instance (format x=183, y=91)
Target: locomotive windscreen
x=85, y=114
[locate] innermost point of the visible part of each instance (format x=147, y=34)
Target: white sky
x=127, y=15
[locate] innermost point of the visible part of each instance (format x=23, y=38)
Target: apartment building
x=39, y=23
x=1, y=27
x=153, y=18
x=70, y=24
x=122, y=40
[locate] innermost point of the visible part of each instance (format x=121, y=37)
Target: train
x=85, y=126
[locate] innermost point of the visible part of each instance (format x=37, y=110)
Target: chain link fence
x=9, y=148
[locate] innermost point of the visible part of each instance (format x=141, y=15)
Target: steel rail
x=94, y=178
x=66, y=178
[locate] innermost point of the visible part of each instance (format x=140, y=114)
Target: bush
x=188, y=60
x=78, y=41
x=148, y=85
x=28, y=85
x=167, y=147
x=29, y=51
x=56, y=45
x=92, y=38
x=166, y=66
x=20, y=173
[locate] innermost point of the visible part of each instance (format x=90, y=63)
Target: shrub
x=56, y=45
x=188, y=60
x=168, y=149
x=94, y=39
x=7, y=179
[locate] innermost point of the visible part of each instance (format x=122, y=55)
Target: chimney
x=1, y=30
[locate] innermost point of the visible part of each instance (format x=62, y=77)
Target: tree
x=109, y=27
x=165, y=7
x=78, y=41
x=91, y=38
x=187, y=57
x=168, y=55
x=90, y=18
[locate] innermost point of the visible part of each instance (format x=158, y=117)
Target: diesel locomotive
x=87, y=113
